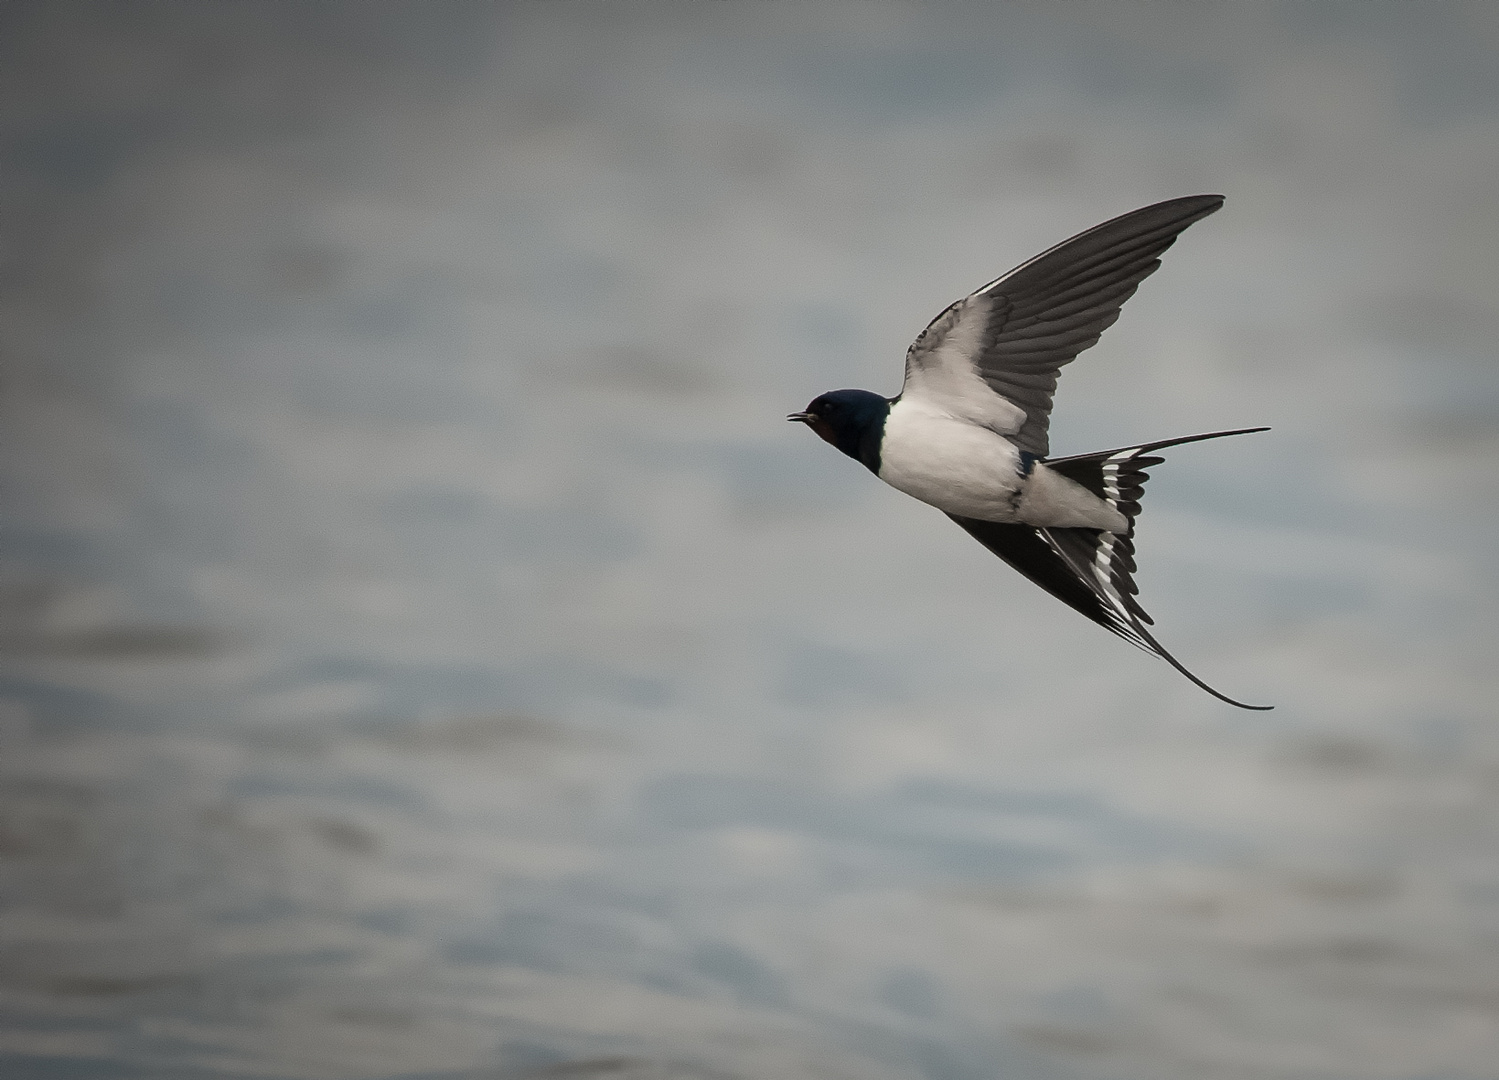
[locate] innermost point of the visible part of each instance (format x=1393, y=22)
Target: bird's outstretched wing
x=993, y=357
x=1092, y=570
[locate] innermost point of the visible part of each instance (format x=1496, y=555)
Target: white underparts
x=1050, y=499
x=973, y=471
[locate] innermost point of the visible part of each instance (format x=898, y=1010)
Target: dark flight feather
x=1043, y=313
x=1092, y=570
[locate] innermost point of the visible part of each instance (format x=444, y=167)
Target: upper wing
x=993, y=357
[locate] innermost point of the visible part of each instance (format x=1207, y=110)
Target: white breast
x=971, y=471
x=952, y=464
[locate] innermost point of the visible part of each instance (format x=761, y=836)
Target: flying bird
x=968, y=431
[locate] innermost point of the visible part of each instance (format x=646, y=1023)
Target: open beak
x=801, y=417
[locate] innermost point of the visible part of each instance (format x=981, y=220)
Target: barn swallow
x=968, y=431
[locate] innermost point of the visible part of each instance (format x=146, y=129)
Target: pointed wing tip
x=1215, y=201
x=1189, y=208
x=1186, y=208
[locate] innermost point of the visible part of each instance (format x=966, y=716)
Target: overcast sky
x=428, y=652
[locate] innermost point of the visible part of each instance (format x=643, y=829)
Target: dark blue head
x=852, y=420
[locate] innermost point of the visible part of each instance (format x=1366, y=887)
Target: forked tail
x=1092, y=570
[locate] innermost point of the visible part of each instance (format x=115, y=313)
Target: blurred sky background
x=428, y=653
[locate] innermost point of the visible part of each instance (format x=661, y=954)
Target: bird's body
x=971, y=471
x=967, y=433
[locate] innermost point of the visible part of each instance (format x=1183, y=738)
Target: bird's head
x=852, y=420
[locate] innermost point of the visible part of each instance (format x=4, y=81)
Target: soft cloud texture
x=429, y=654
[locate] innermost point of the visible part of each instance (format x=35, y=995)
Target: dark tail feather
x=1115, y=588
x=1092, y=570
x=1145, y=448
x=1119, y=475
